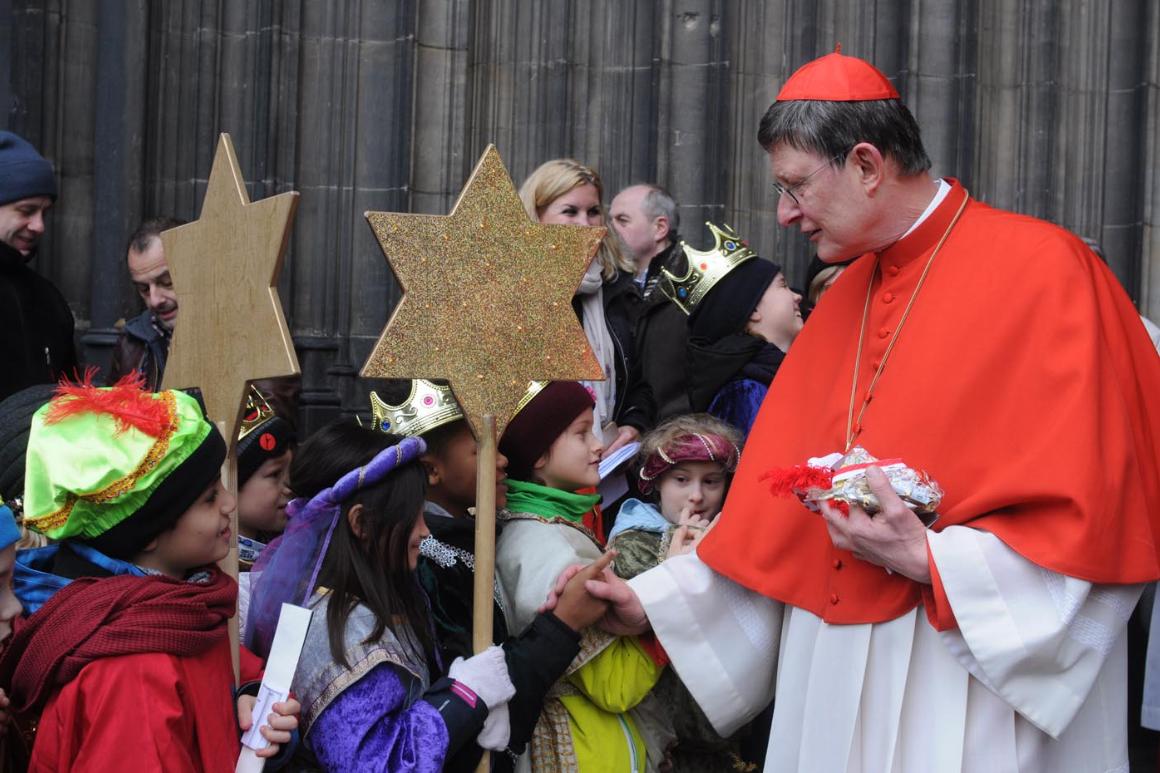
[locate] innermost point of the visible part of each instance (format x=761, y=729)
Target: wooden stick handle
x=229, y=564
x=483, y=613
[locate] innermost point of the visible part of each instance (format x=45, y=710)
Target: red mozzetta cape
x=1023, y=382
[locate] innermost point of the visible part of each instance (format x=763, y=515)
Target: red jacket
x=146, y=713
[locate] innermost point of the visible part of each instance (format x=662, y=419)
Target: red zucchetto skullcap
x=837, y=78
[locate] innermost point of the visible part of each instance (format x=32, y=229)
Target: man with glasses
x=993, y=351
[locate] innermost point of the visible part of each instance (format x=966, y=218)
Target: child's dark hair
x=440, y=438
x=372, y=569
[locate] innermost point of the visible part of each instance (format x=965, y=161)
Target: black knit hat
x=268, y=440
x=15, y=421
x=726, y=308
x=531, y=433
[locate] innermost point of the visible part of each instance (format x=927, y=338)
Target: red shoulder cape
x=1023, y=382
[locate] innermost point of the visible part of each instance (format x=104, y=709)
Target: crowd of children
x=114, y=613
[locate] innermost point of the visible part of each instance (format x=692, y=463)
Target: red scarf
x=93, y=618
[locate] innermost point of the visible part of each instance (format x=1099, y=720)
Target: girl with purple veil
x=365, y=674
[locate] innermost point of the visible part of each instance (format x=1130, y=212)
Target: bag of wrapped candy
x=842, y=479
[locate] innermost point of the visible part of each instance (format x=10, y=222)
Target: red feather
x=126, y=401
x=797, y=480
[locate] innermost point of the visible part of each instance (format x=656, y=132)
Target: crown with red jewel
x=705, y=268
x=428, y=405
x=257, y=412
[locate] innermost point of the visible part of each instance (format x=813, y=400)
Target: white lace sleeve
x=1036, y=638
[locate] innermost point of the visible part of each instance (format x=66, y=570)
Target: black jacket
x=661, y=335
x=37, y=347
x=141, y=346
x=635, y=406
x=536, y=658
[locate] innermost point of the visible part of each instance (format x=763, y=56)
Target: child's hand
x=279, y=725
x=576, y=607
x=5, y=715
x=555, y=591
x=689, y=533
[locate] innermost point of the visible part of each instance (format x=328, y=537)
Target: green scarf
x=524, y=497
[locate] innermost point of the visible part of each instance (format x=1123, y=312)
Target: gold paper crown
x=257, y=412
x=705, y=268
x=534, y=388
x=429, y=405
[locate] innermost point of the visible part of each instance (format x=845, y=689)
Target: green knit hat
x=116, y=466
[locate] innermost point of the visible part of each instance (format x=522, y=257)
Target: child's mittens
x=486, y=675
x=497, y=729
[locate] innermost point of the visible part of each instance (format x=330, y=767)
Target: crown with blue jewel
x=705, y=268
x=428, y=405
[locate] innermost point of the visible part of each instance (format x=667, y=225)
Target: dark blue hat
x=24, y=173
x=726, y=308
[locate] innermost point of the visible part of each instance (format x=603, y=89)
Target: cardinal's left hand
x=893, y=537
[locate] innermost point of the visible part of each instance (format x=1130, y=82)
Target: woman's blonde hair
x=818, y=284
x=551, y=180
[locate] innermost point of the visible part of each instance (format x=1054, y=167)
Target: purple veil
x=287, y=570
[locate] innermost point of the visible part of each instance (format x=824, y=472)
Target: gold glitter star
x=487, y=300
x=230, y=328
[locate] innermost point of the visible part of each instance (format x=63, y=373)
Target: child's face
x=696, y=486
x=200, y=537
x=777, y=317
x=452, y=474
x=573, y=459
x=262, y=501
x=10, y=607
x=419, y=532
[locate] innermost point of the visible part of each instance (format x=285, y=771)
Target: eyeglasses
x=789, y=190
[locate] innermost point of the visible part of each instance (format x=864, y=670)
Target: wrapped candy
x=842, y=479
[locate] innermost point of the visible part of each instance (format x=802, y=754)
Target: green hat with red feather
x=116, y=466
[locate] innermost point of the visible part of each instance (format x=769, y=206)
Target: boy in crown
x=743, y=316
x=265, y=450
x=541, y=653
x=128, y=652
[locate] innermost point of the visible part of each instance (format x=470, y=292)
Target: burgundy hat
x=533, y=430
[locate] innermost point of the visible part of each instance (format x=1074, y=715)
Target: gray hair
x=832, y=129
x=658, y=203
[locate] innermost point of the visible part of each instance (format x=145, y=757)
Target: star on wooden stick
x=230, y=328
x=487, y=300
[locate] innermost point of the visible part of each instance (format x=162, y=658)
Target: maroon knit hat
x=532, y=431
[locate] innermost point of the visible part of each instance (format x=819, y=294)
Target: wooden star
x=230, y=328
x=487, y=300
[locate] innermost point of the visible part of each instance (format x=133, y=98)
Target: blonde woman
x=564, y=191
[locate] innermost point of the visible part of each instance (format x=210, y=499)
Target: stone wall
x=1047, y=107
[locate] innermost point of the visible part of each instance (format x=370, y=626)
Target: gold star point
x=486, y=297
x=225, y=265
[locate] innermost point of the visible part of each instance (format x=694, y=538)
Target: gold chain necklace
x=854, y=429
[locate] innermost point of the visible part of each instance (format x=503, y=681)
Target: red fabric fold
x=94, y=618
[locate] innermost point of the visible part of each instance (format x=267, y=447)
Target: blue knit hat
x=9, y=531
x=24, y=173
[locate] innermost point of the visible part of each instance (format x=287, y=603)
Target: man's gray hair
x=658, y=203
x=832, y=129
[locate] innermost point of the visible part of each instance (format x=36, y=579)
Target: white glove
x=497, y=729
x=486, y=675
